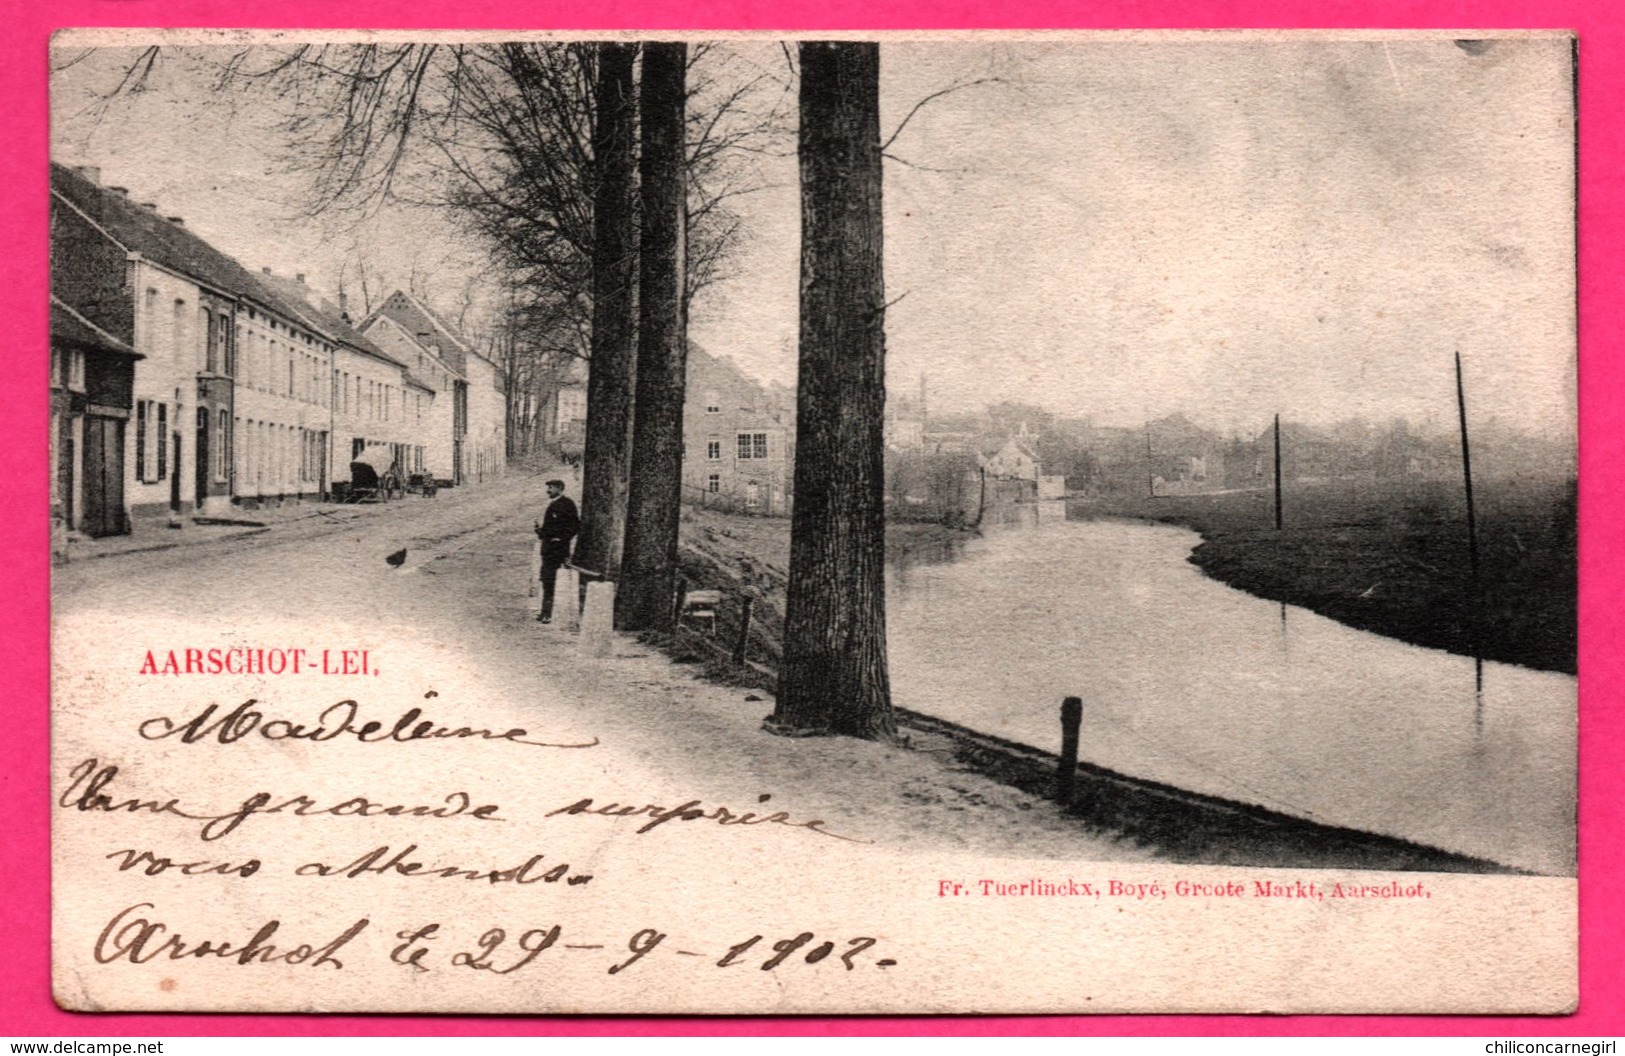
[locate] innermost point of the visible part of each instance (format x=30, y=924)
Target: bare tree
x=834, y=675
x=611, y=372
x=504, y=133
x=655, y=497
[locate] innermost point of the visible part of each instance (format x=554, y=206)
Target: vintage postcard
x=1047, y=523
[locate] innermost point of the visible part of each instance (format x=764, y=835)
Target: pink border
x=26, y=1008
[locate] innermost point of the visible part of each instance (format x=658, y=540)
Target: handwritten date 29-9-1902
x=494, y=953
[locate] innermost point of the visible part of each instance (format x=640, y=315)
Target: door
x=175, y=471
x=104, y=477
x=202, y=453
x=67, y=471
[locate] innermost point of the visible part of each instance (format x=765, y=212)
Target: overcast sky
x=1116, y=228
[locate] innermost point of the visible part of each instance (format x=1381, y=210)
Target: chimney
x=122, y=192
x=299, y=278
x=177, y=221
x=265, y=271
x=151, y=207
x=93, y=173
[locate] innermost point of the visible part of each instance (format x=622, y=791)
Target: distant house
x=1011, y=458
x=738, y=438
x=1244, y=463
x=92, y=379
x=434, y=394
x=475, y=416
x=905, y=421
x=1306, y=453
x=564, y=419
x=905, y=426
x=1052, y=486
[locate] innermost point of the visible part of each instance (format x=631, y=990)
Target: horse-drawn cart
x=374, y=477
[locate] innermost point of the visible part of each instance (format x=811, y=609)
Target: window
x=752, y=445
x=713, y=449
x=141, y=439
x=712, y=404
x=206, y=334
x=149, y=317
x=163, y=441
x=222, y=444
x=713, y=483
x=76, y=371
x=753, y=495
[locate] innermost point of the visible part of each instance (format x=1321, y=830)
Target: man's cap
x=557, y=483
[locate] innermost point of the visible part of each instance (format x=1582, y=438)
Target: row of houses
x=183, y=383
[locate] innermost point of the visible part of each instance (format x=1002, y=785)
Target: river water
x=1192, y=683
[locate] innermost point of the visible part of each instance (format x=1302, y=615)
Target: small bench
x=701, y=605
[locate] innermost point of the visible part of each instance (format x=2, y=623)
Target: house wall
x=486, y=444
x=373, y=406
x=214, y=348
x=721, y=405
x=434, y=432
x=159, y=443
x=281, y=415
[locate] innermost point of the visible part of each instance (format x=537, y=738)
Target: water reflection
x=1190, y=682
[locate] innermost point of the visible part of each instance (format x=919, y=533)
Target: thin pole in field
x=1150, y=473
x=1467, y=472
x=1277, y=472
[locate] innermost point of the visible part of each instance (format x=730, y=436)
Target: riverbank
x=1393, y=559
x=749, y=557
x=744, y=557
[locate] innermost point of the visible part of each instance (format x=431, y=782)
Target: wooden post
x=680, y=601
x=1071, y=719
x=535, y=592
x=1277, y=472
x=743, y=643
x=1467, y=473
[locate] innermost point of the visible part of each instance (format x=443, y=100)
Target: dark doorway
x=175, y=472
x=104, y=477
x=202, y=455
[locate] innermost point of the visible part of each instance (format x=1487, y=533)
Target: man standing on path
x=558, y=527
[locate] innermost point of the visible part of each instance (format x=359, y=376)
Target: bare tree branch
x=960, y=86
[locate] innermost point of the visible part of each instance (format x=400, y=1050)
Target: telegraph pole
x=1277, y=472
x=1150, y=471
x=1467, y=473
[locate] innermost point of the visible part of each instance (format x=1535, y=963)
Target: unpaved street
x=461, y=594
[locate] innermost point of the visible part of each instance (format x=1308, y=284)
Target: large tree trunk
x=653, y=504
x=610, y=373
x=833, y=677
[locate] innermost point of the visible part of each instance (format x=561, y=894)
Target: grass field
x=1392, y=558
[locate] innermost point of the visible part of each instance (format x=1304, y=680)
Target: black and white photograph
x=754, y=524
